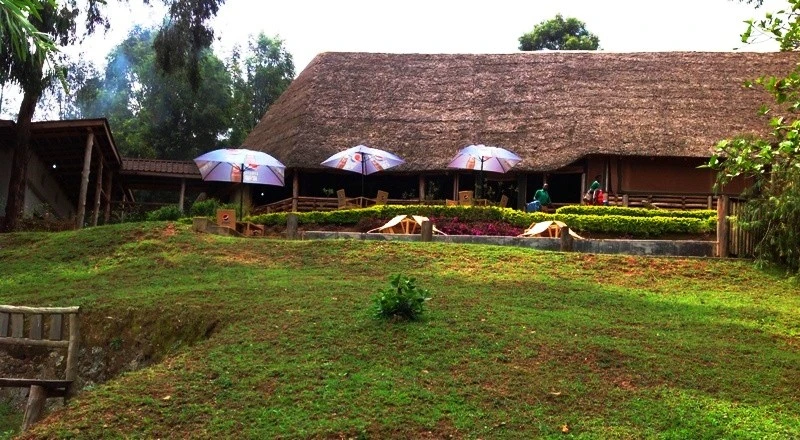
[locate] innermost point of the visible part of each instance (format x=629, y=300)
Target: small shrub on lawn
x=206, y=208
x=170, y=212
x=401, y=300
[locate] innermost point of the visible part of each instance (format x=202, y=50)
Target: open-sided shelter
x=642, y=121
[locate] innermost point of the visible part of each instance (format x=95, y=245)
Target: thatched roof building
x=551, y=108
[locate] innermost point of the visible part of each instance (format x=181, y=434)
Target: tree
x=180, y=42
x=772, y=211
x=268, y=71
x=559, y=34
x=18, y=31
x=157, y=114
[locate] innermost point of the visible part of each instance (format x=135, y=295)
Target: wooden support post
x=625, y=200
x=566, y=240
x=427, y=231
x=421, y=187
x=98, y=190
x=710, y=202
x=291, y=226
x=455, y=186
x=295, y=189
x=107, y=195
x=87, y=162
x=522, y=191
x=182, y=197
x=71, y=371
x=722, y=226
x=37, y=396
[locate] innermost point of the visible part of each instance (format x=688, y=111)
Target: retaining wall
x=683, y=248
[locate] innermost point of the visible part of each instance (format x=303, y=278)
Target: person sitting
x=541, y=199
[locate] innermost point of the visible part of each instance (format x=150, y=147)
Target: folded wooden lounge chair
x=404, y=224
x=550, y=229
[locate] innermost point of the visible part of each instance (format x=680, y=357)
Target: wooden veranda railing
x=306, y=204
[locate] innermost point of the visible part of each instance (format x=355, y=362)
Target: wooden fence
x=732, y=240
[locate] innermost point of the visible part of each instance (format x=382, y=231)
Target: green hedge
x=638, y=226
x=701, y=214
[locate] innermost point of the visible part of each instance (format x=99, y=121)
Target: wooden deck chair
x=503, y=201
x=465, y=198
x=344, y=202
x=382, y=198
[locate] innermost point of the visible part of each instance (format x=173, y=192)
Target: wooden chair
x=465, y=198
x=44, y=329
x=382, y=198
x=344, y=202
x=503, y=201
x=449, y=202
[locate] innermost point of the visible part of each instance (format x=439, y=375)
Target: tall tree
x=772, y=163
x=159, y=114
x=268, y=71
x=559, y=34
x=180, y=42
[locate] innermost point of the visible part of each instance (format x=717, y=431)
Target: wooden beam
x=421, y=187
x=108, y=194
x=43, y=310
x=182, y=196
x=722, y=226
x=295, y=189
x=98, y=189
x=522, y=191
x=33, y=342
x=87, y=162
x=37, y=396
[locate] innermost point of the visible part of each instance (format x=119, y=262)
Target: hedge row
x=701, y=214
x=641, y=226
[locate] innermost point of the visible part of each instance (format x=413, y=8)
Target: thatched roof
x=551, y=108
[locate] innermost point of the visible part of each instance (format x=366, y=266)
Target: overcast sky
x=451, y=26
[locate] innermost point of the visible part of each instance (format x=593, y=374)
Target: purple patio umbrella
x=363, y=160
x=242, y=166
x=483, y=158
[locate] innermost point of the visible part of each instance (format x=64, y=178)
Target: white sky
x=451, y=26
x=469, y=26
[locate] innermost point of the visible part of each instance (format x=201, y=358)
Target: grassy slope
x=517, y=344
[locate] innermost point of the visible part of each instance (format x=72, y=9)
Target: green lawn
x=516, y=343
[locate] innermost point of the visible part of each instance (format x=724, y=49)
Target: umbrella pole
x=241, y=192
x=363, y=171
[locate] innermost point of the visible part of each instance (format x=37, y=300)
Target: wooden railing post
x=722, y=226
x=566, y=240
x=427, y=231
x=292, y=221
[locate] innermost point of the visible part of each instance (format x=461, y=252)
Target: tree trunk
x=15, y=204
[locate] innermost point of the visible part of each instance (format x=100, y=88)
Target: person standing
x=592, y=193
x=541, y=199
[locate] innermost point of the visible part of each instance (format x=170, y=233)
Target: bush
x=169, y=212
x=206, y=208
x=634, y=212
x=401, y=300
x=466, y=220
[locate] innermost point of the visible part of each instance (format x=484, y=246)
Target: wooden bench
x=42, y=327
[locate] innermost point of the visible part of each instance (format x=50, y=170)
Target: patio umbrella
x=480, y=157
x=363, y=160
x=242, y=166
